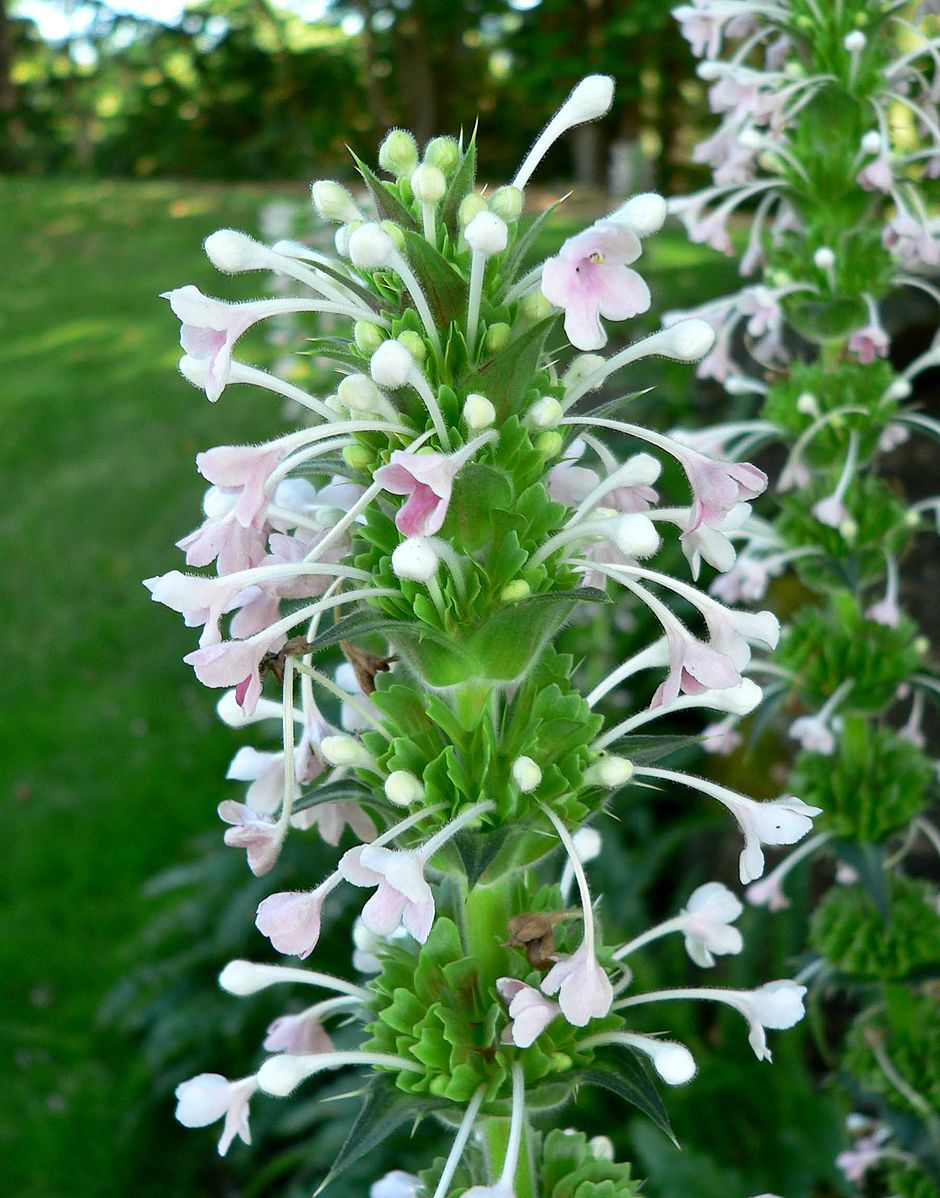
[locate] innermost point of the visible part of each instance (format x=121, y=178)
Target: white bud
x=507, y=202
x=601, y=1148
x=391, y=364
x=333, y=202
x=899, y=389
x=398, y=153
x=428, y=184
x=282, y=1074
x=750, y=139
x=644, y=214
x=640, y=470
x=736, y=700
x=689, y=340
x=587, y=843
x=581, y=368
x=415, y=560
x=231, y=714
x=871, y=143
x=487, y=234
x=709, y=70
x=546, y=412
x=736, y=384
x=478, y=412
x=848, y=529
x=855, y=42
x=526, y=774
x=359, y=393
x=231, y=251
x=341, y=241
x=402, y=788
x=247, y=977
x=370, y=247
x=216, y=504
x=346, y=751
x=807, y=405
x=673, y=1062
x=610, y=771
x=824, y=258
x=590, y=99
x=635, y=535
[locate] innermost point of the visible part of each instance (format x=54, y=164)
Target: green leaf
x=630, y=1081
x=610, y=406
x=388, y=205
x=338, y=792
x=384, y=1111
x=506, y=378
x=444, y=289
x=511, y=639
x=460, y=185
x=477, y=850
x=644, y=750
x=526, y=241
x=478, y=492
x=360, y=623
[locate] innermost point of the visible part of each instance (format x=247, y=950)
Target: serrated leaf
x=629, y=1080
x=444, y=289
x=384, y=1111
x=388, y=206
x=506, y=378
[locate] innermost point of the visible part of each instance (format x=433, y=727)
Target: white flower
x=209, y=1097
x=710, y=911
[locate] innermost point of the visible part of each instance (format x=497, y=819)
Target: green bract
x=904, y=1034
x=848, y=930
x=571, y=1170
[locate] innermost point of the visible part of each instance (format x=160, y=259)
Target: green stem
x=496, y=1135
x=487, y=911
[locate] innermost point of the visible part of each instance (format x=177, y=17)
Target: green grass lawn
x=113, y=759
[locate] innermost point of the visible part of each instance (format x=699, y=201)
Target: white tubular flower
x=708, y=916
x=671, y=1060
x=644, y=214
x=591, y=98
x=209, y=1097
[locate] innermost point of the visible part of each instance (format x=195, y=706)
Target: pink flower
x=427, y=479
x=253, y=831
x=209, y=1097
x=300, y=1035
x=722, y=737
x=402, y=895
x=583, y=988
x=330, y=820
x=694, y=667
x=590, y=278
x=570, y=484
x=243, y=470
x=221, y=537
x=869, y=343
x=911, y=240
x=877, y=175
x=717, y=487
x=530, y=1012
x=234, y=663
x=768, y=892
x=291, y=919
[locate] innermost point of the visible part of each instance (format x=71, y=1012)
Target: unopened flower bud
x=549, y=444
x=513, y=591
x=635, y=535
x=415, y=560
x=428, y=184
x=333, y=202
x=750, y=138
x=507, y=203
x=357, y=457
x=398, y=153
x=487, y=234
x=497, y=337
x=855, y=42
x=588, y=844
x=216, y=504
x=921, y=645
x=370, y=247
x=526, y=774
x=848, y=529
x=601, y=1148
x=736, y=384
x=899, y=389
x=402, y=788
x=414, y=343
x=341, y=238
x=359, y=393
x=581, y=368
x=478, y=412
x=709, y=70
x=807, y=405
x=871, y=143
x=610, y=771
x=912, y=518
x=546, y=412
x=470, y=206
x=391, y=364
x=231, y=251
x=346, y=751
x=368, y=336
x=535, y=306
x=824, y=258
x=644, y=214
x=442, y=152
x=689, y=340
